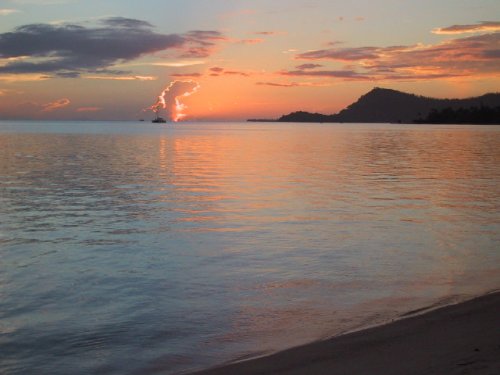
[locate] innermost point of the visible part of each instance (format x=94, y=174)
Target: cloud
x=270, y=33
x=342, y=54
x=333, y=43
x=6, y=12
x=472, y=56
x=485, y=26
x=202, y=43
x=126, y=22
x=180, y=64
x=344, y=74
x=12, y=78
x=186, y=75
x=277, y=84
x=266, y=32
x=122, y=78
x=294, y=84
x=236, y=73
x=308, y=66
x=88, y=109
x=71, y=49
x=217, y=71
x=463, y=57
x=171, y=97
x=4, y=92
x=57, y=104
x=250, y=41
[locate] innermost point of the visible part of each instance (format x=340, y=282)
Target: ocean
x=139, y=248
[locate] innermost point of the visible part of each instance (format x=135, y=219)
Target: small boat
x=158, y=119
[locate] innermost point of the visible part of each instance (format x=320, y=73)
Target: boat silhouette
x=158, y=118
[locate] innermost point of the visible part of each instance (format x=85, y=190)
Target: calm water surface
x=137, y=248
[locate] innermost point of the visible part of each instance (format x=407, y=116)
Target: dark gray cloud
x=344, y=54
x=201, y=43
x=277, y=84
x=70, y=49
x=345, y=74
x=125, y=22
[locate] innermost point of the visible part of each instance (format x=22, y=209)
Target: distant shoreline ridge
x=382, y=105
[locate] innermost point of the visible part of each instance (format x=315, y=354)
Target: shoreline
x=461, y=338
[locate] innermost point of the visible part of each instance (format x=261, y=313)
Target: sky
x=206, y=60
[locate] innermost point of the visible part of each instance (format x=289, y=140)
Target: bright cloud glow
x=6, y=12
x=57, y=104
x=482, y=27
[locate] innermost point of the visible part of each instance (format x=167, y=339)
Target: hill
x=386, y=105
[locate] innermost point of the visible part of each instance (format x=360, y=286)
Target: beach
x=457, y=339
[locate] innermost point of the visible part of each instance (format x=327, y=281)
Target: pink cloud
x=57, y=104
x=485, y=26
x=251, y=41
x=464, y=57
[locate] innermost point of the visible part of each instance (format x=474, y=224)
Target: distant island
x=386, y=105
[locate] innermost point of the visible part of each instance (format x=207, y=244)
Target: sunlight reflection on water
x=128, y=248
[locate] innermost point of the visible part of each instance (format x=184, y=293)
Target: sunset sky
x=110, y=59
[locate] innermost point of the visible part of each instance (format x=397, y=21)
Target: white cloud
x=6, y=12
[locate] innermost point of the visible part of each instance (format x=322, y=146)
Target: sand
x=458, y=339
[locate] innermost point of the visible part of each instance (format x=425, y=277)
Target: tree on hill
x=471, y=115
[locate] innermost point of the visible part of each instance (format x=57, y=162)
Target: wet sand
x=458, y=339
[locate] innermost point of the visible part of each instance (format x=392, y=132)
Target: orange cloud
x=11, y=78
x=57, y=104
x=463, y=57
x=485, y=26
x=88, y=109
x=179, y=64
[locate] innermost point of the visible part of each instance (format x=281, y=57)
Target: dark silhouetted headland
x=386, y=105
